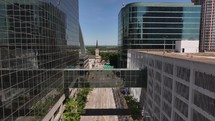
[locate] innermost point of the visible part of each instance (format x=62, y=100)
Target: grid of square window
x=35, y=36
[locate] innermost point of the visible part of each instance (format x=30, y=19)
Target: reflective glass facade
x=155, y=25
x=35, y=36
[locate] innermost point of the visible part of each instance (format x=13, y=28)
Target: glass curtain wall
x=156, y=26
x=35, y=37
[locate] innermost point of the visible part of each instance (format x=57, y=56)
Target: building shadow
x=102, y=112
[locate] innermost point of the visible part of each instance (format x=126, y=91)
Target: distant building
x=197, y=2
x=84, y=61
x=92, y=61
x=156, y=26
x=98, y=57
x=207, y=36
x=83, y=57
x=180, y=87
x=95, y=60
x=187, y=46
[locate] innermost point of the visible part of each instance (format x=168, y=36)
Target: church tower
x=97, y=49
x=98, y=58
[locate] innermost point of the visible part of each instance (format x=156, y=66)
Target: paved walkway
x=100, y=98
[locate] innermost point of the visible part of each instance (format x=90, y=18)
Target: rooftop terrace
x=198, y=57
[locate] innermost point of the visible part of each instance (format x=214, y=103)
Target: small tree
x=75, y=107
x=134, y=107
x=71, y=111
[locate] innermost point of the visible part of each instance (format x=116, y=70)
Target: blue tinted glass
x=196, y=20
x=191, y=15
x=196, y=9
x=139, y=8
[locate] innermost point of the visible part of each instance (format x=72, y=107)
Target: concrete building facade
x=187, y=46
x=180, y=87
x=207, y=35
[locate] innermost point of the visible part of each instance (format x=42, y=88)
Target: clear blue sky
x=99, y=19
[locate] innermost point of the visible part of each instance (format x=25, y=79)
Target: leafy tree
x=71, y=111
x=112, y=57
x=134, y=107
x=75, y=107
x=91, y=51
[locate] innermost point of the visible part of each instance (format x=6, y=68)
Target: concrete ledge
x=50, y=114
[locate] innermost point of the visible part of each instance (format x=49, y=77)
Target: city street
x=100, y=102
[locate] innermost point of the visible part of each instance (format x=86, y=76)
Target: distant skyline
x=99, y=19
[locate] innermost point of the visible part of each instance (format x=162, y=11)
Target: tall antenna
x=58, y=2
x=123, y=4
x=97, y=44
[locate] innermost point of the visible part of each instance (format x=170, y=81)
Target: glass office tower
x=35, y=37
x=156, y=26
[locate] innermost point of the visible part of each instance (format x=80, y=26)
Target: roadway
x=100, y=101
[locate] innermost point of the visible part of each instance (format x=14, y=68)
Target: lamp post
x=141, y=31
x=164, y=45
x=139, y=22
x=172, y=45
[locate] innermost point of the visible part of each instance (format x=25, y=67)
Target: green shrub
x=133, y=106
x=75, y=107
